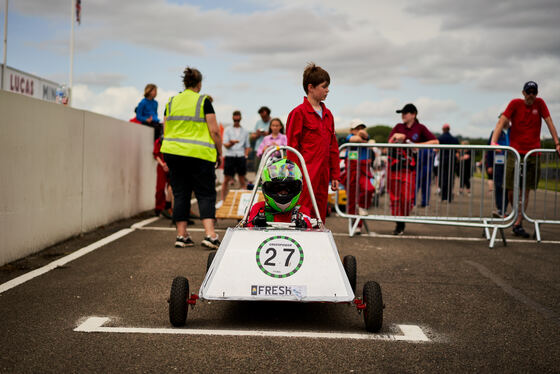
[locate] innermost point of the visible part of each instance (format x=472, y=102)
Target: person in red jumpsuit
x=357, y=175
x=310, y=130
x=402, y=162
x=163, y=203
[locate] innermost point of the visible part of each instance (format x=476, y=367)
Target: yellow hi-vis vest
x=186, y=131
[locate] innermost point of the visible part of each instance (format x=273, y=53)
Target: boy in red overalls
x=310, y=130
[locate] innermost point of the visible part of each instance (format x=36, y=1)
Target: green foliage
x=379, y=132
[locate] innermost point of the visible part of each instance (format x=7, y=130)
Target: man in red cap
x=526, y=117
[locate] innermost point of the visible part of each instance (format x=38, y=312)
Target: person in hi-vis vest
x=192, y=149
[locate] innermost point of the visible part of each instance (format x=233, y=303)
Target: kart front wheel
x=211, y=256
x=178, y=306
x=373, y=313
x=349, y=263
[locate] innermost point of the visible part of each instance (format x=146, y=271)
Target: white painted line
x=411, y=333
x=79, y=253
x=64, y=260
x=190, y=228
x=374, y=235
x=547, y=313
x=143, y=223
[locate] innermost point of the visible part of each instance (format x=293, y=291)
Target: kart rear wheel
x=211, y=256
x=373, y=313
x=349, y=263
x=178, y=306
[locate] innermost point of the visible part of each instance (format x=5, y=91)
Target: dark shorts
x=533, y=173
x=235, y=165
x=188, y=175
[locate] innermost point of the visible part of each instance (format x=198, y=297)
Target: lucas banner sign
x=26, y=84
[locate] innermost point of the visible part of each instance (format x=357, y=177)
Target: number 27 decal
x=273, y=251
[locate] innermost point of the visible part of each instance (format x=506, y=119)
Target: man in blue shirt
x=237, y=147
x=495, y=169
x=447, y=164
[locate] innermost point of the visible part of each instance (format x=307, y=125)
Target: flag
x=78, y=11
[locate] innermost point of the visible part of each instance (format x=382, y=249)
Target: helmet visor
x=284, y=171
x=289, y=188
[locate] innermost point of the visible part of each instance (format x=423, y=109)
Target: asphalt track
x=478, y=309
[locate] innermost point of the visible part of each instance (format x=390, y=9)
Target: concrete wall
x=66, y=171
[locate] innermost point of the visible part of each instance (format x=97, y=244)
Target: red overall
x=315, y=139
x=162, y=178
x=363, y=188
x=402, y=188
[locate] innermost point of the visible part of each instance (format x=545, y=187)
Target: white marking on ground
x=375, y=235
x=547, y=313
x=411, y=333
x=79, y=253
x=64, y=260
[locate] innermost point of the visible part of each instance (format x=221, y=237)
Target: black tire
x=349, y=263
x=178, y=306
x=211, y=256
x=373, y=313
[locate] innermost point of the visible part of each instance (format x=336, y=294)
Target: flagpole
x=71, y=73
x=5, y=45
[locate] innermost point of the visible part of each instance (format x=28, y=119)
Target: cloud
x=94, y=79
x=481, y=44
x=384, y=111
x=118, y=102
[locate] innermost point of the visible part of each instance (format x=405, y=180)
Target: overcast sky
x=460, y=62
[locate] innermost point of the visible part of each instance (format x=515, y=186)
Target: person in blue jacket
x=424, y=174
x=495, y=169
x=147, y=110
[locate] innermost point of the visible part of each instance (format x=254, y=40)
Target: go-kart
x=279, y=263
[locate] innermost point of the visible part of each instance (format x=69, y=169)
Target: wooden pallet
x=231, y=207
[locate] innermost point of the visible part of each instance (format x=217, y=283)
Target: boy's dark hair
x=314, y=75
x=191, y=77
x=236, y=113
x=264, y=108
x=281, y=124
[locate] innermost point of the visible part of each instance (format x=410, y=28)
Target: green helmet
x=282, y=184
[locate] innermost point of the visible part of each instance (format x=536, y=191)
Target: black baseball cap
x=408, y=108
x=531, y=86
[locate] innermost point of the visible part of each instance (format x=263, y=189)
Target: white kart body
x=277, y=265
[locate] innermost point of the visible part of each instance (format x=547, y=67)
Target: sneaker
x=363, y=212
x=358, y=231
x=399, y=229
x=520, y=231
x=497, y=214
x=210, y=243
x=182, y=242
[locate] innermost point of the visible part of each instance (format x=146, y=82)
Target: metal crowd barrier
x=431, y=184
x=544, y=191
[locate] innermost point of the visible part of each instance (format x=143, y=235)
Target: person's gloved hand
x=259, y=221
x=300, y=222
